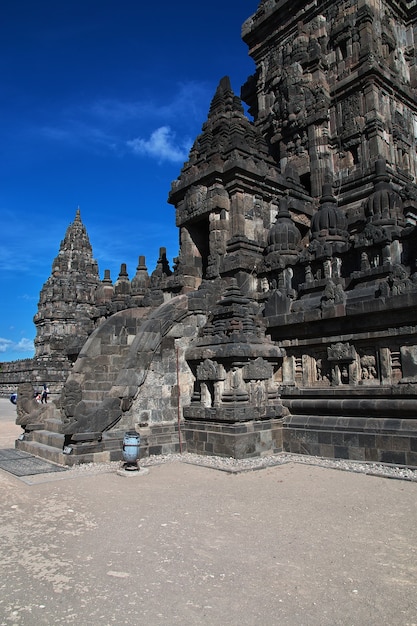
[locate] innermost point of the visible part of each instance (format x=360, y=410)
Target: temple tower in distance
x=67, y=300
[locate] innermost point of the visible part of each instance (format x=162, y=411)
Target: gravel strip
x=236, y=466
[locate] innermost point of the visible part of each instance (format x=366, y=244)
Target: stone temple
x=288, y=321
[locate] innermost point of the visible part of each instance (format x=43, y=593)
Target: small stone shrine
x=288, y=321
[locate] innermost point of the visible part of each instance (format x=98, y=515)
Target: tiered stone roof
x=67, y=300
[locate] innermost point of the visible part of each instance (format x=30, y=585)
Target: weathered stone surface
x=409, y=361
x=29, y=410
x=65, y=316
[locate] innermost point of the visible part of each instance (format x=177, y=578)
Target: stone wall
x=35, y=371
x=372, y=440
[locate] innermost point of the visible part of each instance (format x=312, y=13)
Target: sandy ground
x=8, y=429
x=291, y=545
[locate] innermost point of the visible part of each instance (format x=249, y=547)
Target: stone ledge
x=243, y=440
x=374, y=440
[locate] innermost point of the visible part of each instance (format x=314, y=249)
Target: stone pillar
x=219, y=226
x=237, y=202
x=385, y=366
x=365, y=20
x=191, y=265
x=409, y=364
x=375, y=125
x=288, y=370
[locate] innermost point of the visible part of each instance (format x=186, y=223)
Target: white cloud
x=102, y=126
x=5, y=344
x=162, y=146
x=24, y=345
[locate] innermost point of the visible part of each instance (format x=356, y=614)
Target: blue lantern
x=131, y=447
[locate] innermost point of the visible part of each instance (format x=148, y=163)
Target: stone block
x=408, y=427
x=327, y=451
x=341, y=452
x=324, y=438
x=411, y=459
x=383, y=442
x=357, y=454
x=394, y=457
x=313, y=449
x=154, y=450
x=310, y=436
x=338, y=438
x=400, y=443
x=392, y=425
x=351, y=440
x=366, y=441
x=316, y=421
x=371, y=455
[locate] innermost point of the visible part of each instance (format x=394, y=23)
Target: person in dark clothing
x=44, y=397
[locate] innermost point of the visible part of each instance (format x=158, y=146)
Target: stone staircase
x=97, y=374
x=48, y=442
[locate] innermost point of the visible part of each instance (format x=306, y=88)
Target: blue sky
x=100, y=102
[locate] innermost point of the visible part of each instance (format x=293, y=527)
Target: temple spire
x=68, y=295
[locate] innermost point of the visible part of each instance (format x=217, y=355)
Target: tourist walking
x=44, y=397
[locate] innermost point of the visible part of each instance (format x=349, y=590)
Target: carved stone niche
x=343, y=359
x=259, y=369
x=235, y=387
x=259, y=376
x=323, y=371
x=409, y=364
x=195, y=201
x=234, y=365
x=236, y=383
x=368, y=369
x=210, y=383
